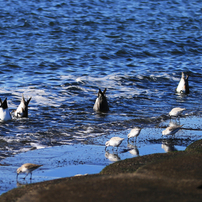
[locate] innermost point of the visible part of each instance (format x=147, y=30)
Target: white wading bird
x=134, y=133
x=177, y=111
x=114, y=142
x=27, y=168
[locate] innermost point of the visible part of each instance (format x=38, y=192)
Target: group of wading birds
x=101, y=105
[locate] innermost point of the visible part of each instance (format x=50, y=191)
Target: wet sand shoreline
x=172, y=176
x=70, y=160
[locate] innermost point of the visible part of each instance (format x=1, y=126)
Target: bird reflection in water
x=171, y=130
x=21, y=184
x=174, y=124
x=112, y=157
x=168, y=146
x=133, y=149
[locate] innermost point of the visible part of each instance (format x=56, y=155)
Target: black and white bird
x=183, y=86
x=22, y=110
x=4, y=111
x=101, y=104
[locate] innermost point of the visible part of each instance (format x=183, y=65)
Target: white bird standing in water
x=134, y=133
x=177, y=111
x=4, y=111
x=101, y=104
x=171, y=130
x=114, y=142
x=27, y=168
x=183, y=86
x=22, y=110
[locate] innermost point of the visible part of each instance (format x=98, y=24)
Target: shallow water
x=60, y=53
x=91, y=157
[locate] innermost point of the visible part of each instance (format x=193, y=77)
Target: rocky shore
x=173, y=176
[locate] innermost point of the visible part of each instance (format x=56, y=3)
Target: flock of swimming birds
x=101, y=105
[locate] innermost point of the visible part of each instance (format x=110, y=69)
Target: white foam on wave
x=100, y=81
x=140, y=77
x=79, y=79
x=111, y=82
x=67, y=77
x=37, y=145
x=76, y=87
x=39, y=96
x=168, y=76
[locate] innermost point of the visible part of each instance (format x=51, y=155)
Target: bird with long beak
x=27, y=168
x=183, y=86
x=22, y=110
x=4, y=111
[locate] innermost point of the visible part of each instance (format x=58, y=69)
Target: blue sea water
x=60, y=53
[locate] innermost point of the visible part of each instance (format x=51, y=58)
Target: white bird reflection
x=133, y=149
x=20, y=184
x=168, y=146
x=171, y=130
x=174, y=124
x=112, y=157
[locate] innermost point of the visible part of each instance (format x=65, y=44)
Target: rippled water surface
x=60, y=53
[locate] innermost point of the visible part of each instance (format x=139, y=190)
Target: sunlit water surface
x=60, y=53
